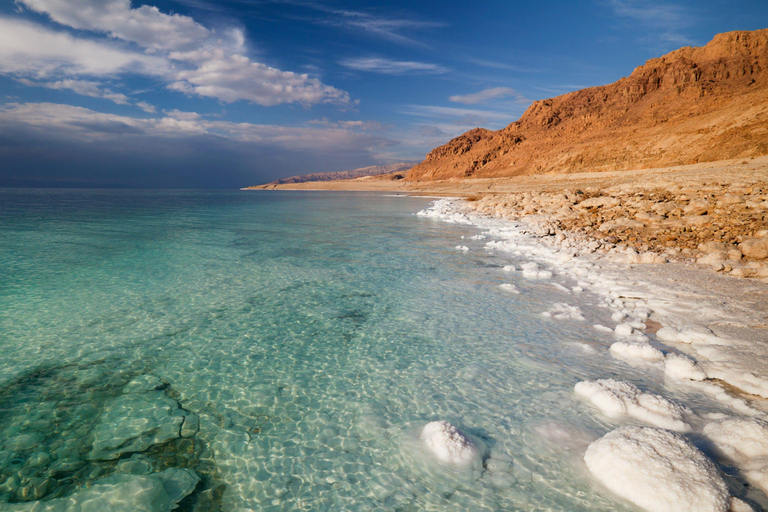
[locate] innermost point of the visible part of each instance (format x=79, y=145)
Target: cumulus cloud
x=32, y=51
x=185, y=55
x=487, y=95
x=144, y=25
x=392, y=67
x=235, y=77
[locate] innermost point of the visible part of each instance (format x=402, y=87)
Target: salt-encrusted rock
x=449, y=444
x=620, y=398
x=755, y=248
x=657, y=470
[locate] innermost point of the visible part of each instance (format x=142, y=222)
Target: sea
x=282, y=351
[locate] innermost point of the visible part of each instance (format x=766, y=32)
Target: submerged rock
x=133, y=422
x=158, y=492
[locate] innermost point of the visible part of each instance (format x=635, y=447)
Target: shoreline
x=713, y=213
x=701, y=333
x=719, y=322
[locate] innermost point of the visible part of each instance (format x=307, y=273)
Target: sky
x=231, y=93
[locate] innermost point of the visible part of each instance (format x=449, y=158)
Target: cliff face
x=691, y=105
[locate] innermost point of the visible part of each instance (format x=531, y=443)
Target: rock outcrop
x=373, y=170
x=692, y=105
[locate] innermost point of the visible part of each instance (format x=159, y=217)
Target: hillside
x=373, y=170
x=692, y=105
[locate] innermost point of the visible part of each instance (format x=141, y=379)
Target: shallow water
x=285, y=348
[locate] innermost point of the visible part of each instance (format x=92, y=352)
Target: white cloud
x=82, y=87
x=179, y=51
x=29, y=50
x=392, y=67
x=146, y=107
x=145, y=25
x=235, y=77
x=487, y=95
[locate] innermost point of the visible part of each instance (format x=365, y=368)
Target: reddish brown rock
x=691, y=105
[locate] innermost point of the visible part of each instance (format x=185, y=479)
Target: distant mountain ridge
x=692, y=105
x=373, y=170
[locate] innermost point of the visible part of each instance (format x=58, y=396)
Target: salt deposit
x=618, y=399
x=449, y=444
x=563, y=311
x=507, y=287
x=744, y=441
x=657, y=470
x=634, y=350
x=682, y=367
x=689, y=311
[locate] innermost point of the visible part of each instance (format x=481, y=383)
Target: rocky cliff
x=691, y=105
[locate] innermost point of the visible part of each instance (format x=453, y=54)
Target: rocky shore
x=720, y=223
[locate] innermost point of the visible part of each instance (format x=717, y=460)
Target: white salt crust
x=510, y=288
x=618, y=399
x=745, y=442
x=686, y=309
x=633, y=350
x=562, y=311
x=449, y=444
x=657, y=470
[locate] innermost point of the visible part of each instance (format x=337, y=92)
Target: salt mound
x=449, y=444
x=563, y=311
x=508, y=287
x=744, y=441
x=657, y=470
x=682, y=367
x=631, y=350
x=619, y=398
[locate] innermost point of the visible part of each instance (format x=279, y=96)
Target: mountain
x=692, y=105
x=373, y=170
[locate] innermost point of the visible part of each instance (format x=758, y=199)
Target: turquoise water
x=281, y=351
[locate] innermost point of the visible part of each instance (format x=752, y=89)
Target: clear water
x=287, y=348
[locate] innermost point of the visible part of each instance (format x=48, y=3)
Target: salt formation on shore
x=449, y=444
x=619, y=398
x=745, y=442
x=706, y=341
x=657, y=470
x=685, y=310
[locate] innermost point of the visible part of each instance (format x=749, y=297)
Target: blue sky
x=221, y=94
